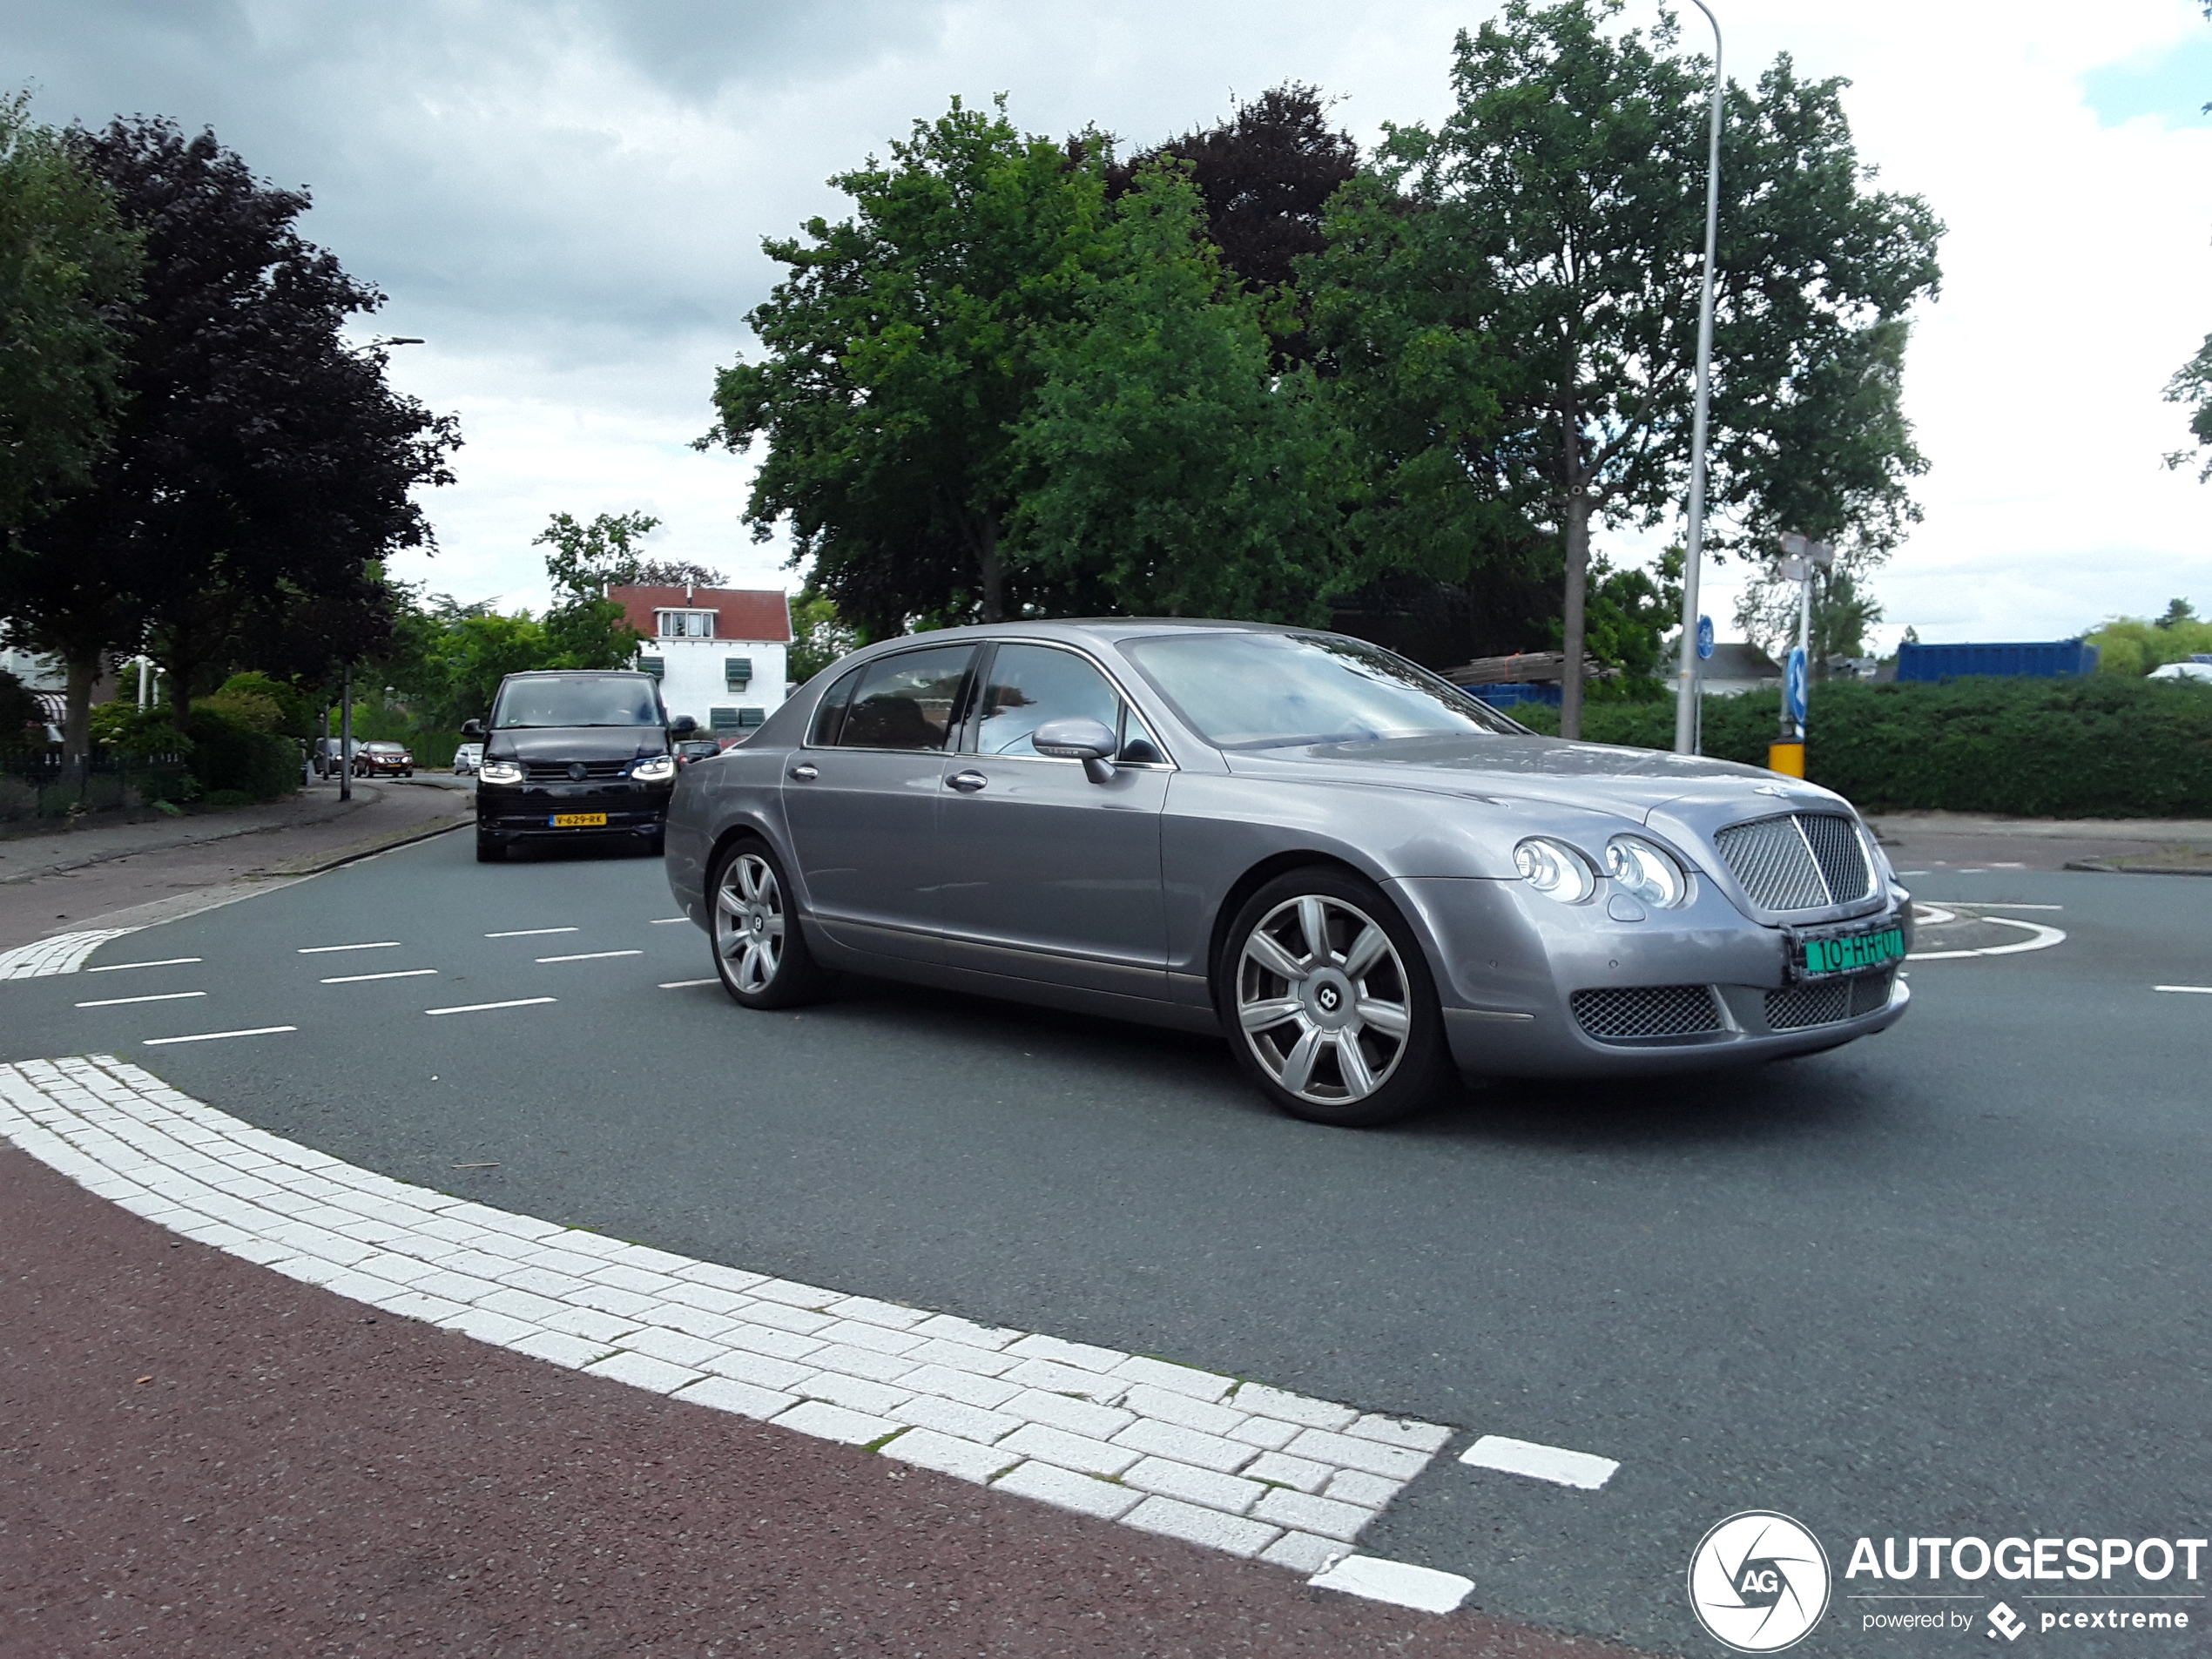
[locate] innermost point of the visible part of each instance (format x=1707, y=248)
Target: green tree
x=1564, y=199
x=1168, y=468
x=69, y=271
x=820, y=636
x=1767, y=613
x=902, y=349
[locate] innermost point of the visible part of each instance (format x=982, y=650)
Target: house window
x=736, y=673
x=686, y=625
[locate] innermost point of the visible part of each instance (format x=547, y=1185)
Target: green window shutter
x=722, y=719
x=656, y=666
x=751, y=717
x=736, y=673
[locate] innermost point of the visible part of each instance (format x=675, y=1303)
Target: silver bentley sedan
x=1359, y=875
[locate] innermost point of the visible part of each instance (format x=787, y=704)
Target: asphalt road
x=1951, y=1280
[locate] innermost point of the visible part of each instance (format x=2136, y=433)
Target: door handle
x=967, y=782
x=805, y=773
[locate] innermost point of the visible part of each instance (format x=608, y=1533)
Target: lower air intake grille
x=1801, y=862
x=1648, y=1011
x=1828, y=1002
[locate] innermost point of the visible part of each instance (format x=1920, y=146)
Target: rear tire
x=760, y=948
x=1328, y=1001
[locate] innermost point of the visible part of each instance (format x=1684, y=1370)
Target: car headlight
x=501, y=771
x=1554, y=869
x=1647, y=872
x=654, y=769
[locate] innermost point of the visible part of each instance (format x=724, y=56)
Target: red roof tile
x=740, y=613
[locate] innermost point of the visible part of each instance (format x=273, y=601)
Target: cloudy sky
x=567, y=200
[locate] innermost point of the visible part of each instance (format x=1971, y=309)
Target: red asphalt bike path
x=198, y=1456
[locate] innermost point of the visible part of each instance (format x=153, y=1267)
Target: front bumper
x=1509, y=963
x=525, y=812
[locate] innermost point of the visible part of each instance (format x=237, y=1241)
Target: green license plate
x=1851, y=953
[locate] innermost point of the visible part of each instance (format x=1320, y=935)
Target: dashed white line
x=166, y=962
x=530, y=933
x=479, y=1007
x=323, y=950
x=1553, y=1463
x=2193, y=990
x=1376, y=1580
x=685, y=984
x=217, y=1036
x=401, y=972
x=159, y=996
x=591, y=956
x=668, y=921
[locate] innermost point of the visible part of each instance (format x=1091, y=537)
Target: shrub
x=2097, y=747
x=227, y=757
x=249, y=709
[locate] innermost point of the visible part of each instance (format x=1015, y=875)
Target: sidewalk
x=1974, y=840
x=126, y=875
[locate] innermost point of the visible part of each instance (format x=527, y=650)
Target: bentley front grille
x=1827, y=1002
x=1798, y=861
x=1648, y=1011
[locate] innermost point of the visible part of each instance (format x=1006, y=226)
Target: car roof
x=580, y=674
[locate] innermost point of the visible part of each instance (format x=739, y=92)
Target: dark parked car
x=387, y=760
x=572, y=756
x=1362, y=877
x=696, y=749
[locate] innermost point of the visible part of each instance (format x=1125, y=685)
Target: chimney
x=687, y=593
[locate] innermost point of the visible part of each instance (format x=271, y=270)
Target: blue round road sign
x=1704, y=639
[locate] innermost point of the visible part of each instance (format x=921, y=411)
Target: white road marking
x=684, y=984
x=1915, y=872
x=117, y=967
x=1994, y=904
x=58, y=954
x=357, y=979
x=1165, y=1448
x=1553, y=1463
x=668, y=921
x=479, y=1007
x=530, y=933
x=2194, y=991
x=159, y=996
x=2040, y=938
x=1932, y=915
x=591, y=956
x=323, y=950
x=216, y=1037
x=1423, y=1588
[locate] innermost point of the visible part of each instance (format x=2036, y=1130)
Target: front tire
x=759, y=950
x=1328, y=1001
x=491, y=851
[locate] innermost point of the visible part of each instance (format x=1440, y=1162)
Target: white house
x=718, y=652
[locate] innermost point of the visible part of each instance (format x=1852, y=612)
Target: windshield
x=1263, y=691
x=624, y=700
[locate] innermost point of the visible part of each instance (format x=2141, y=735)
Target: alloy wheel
x=1322, y=998
x=749, y=922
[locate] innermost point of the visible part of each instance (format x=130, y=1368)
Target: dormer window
x=685, y=624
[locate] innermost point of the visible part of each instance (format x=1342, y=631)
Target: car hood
x=1599, y=777
x=575, y=743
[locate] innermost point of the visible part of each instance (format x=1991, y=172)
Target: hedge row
x=2099, y=746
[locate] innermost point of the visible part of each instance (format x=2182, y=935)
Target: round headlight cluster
x=1642, y=869
x=1554, y=869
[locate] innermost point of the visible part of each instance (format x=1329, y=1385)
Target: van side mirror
x=682, y=725
x=472, y=730
x=1081, y=739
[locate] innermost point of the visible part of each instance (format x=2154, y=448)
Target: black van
x=575, y=754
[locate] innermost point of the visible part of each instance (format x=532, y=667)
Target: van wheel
x=490, y=851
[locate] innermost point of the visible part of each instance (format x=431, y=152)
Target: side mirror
x=682, y=725
x=1078, y=738
x=472, y=730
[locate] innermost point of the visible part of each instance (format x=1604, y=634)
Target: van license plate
x=579, y=820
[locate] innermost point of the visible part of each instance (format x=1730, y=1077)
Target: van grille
x=1647, y=1011
x=1798, y=861
x=1828, y=1002
x=549, y=771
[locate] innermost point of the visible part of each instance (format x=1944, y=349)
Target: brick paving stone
x=623, y=1277
x=1076, y=1416
x=795, y=1294
x=562, y=1349
x=1079, y=1452
x=875, y=1337
x=1304, y=1552
x=1195, y=1525
x=707, y=1298
x=760, y=1339
x=608, y=1300
x=1185, y=1445
x=1066, y=1490
x=658, y=1261
x=675, y=1346
x=698, y=1322
x=855, y=1393
x=721, y=1278
x=1080, y=1355
x=641, y=1371
x=961, y=1356
x=953, y=1417
x=965, y=1386
x=947, y=1455
x=760, y=1369
x=1278, y=1470
x=1179, y=1379
x=801, y=1321
x=1413, y=1435
x=1308, y=1513
x=727, y=1394
x=827, y=1422
x=861, y=1362
x=590, y=1323
x=1268, y=1432
x=543, y=1282
x=891, y=1315
x=1231, y=1493
x=1170, y=1407
x=1356, y=1485
x=1293, y=1408
x=1056, y=1378
x=587, y=1242
x=1346, y=1453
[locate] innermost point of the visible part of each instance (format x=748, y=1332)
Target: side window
x=1137, y=748
x=1031, y=684
x=909, y=701
x=829, y=714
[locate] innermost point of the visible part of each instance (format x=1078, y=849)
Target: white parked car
x=467, y=759
x=2183, y=672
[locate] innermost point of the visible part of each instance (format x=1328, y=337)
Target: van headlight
x=654, y=769
x=1646, y=871
x=501, y=771
x=1554, y=869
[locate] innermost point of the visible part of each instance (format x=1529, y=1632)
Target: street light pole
x=1687, y=692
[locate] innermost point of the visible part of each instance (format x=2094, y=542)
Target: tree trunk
x=993, y=572
x=76, y=715
x=1577, y=520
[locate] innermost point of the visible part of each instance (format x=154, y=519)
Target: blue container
x=2040, y=659
x=1511, y=693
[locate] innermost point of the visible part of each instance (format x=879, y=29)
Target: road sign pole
x=1688, y=695
x=346, y=738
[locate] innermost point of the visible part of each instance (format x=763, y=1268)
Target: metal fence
x=39, y=784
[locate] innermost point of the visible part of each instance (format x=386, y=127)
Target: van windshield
x=615, y=700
